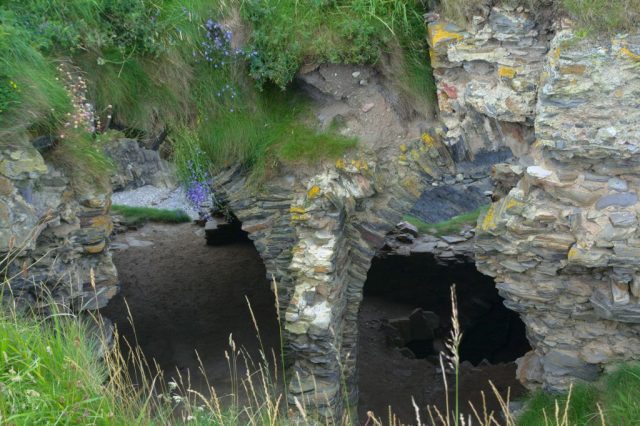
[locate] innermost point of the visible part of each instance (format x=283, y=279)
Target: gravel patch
x=160, y=198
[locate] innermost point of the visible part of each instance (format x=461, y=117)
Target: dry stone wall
x=52, y=234
x=563, y=245
x=317, y=236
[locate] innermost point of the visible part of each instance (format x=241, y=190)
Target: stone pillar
x=56, y=228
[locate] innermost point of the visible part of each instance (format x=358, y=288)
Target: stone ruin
x=561, y=238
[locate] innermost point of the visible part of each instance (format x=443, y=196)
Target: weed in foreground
x=64, y=368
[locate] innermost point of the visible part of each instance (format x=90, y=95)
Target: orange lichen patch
x=95, y=248
x=626, y=52
x=340, y=164
x=313, y=192
x=450, y=90
x=403, y=148
x=320, y=269
x=428, y=139
x=297, y=210
x=506, y=72
x=573, y=69
x=438, y=34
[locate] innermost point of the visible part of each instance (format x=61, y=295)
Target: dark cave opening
x=404, y=319
x=188, y=292
x=491, y=332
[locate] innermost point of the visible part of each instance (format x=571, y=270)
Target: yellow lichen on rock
x=506, y=72
x=488, y=222
x=360, y=164
x=411, y=185
x=340, y=164
x=428, y=139
x=95, y=248
x=512, y=203
x=313, y=192
x=297, y=210
x=626, y=52
x=438, y=34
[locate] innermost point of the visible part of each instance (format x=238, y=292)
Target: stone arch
x=317, y=236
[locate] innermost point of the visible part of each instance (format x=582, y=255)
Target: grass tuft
x=595, y=17
x=141, y=215
x=449, y=226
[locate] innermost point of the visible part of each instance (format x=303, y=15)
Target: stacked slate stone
x=317, y=235
x=53, y=233
x=486, y=78
x=136, y=166
x=564, y=244
x=405, y=240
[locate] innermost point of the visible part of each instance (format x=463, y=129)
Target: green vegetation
x=449, y=226
x=287, y=34
x=216, y=74
x=613, y=400
x=603, y=16
x=50, y=374
x=141, y=215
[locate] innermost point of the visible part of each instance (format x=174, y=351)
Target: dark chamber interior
x=187, y=296
x=490, y=331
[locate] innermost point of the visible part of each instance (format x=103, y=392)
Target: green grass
x=87, y=166
x=595, y=17
x=145, y=68
x=141, y=215
x=617, y=395
x=449, y=226
x=50, y=374
x=581, y=409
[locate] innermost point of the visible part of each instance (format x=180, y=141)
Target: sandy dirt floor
x=386, y=377
x=186, y=296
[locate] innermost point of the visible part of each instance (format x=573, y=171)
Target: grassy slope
x=145, y=67
x=50, y=374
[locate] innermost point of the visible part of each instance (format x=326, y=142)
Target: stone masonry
x=563, y=245
x=317, y=237
x=52, y=234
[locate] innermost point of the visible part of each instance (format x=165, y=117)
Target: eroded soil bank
x=186, y=296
